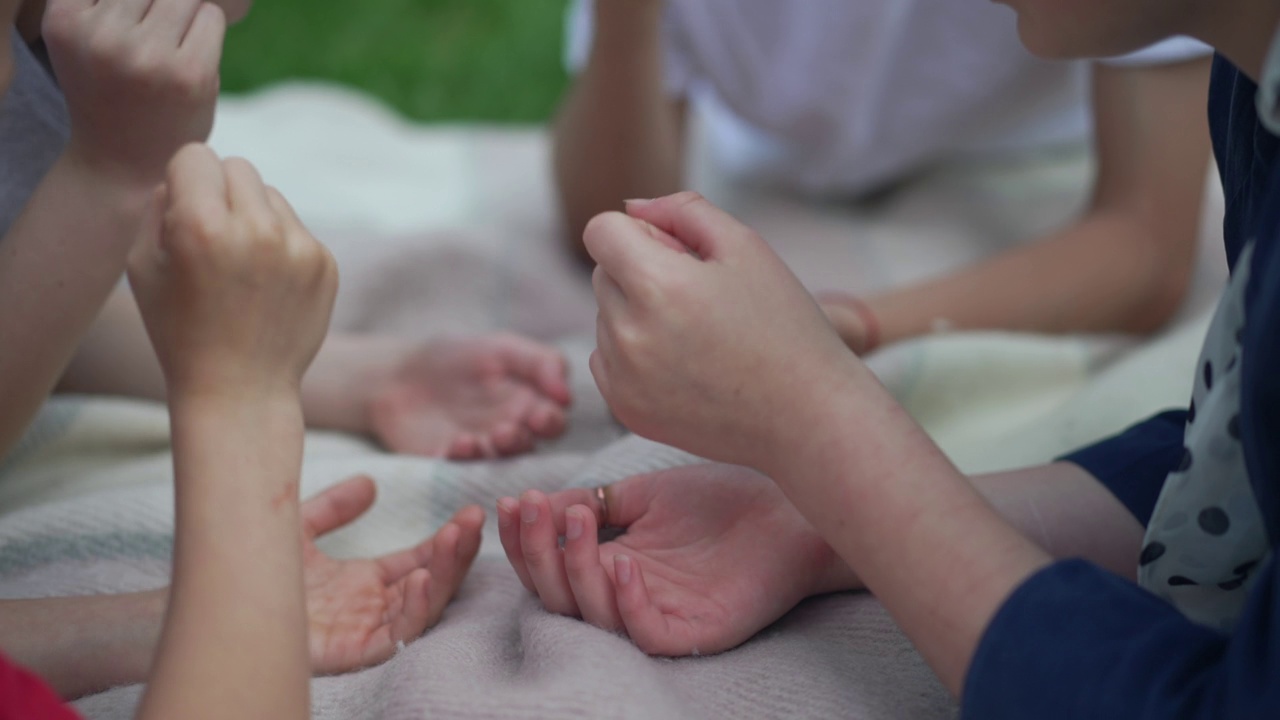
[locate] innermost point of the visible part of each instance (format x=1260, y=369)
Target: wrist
x=110, y=175
x=816, y=418
x=279, y=397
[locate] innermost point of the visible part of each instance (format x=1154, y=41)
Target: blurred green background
x=433, y=60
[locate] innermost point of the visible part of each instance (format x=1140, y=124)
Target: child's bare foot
x=469, y=398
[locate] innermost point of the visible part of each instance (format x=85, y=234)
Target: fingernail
x=507, y=508
x=572, y=526
x=529, y=513
x=636, y=202
x=622, y=568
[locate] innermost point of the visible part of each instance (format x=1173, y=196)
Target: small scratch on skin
x=287, y=495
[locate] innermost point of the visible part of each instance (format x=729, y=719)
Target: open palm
x=359, y=611
x=472, y=397
x=709, y=555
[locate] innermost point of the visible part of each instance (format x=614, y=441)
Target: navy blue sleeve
x=1134, y=464
x=1075, y=641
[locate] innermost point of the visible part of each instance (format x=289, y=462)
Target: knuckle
x=61, y=26
x=201, y=224
x=537, y=558
x=603, y=228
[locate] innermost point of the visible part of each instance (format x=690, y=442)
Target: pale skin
x=236, y=297
x=676, y=278
x=461, y=398
x=720, y=553
x=357, y=609
x=620, y=135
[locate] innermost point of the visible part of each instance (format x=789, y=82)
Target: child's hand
x=235, y=292
x=140, y=77
x=706, y=341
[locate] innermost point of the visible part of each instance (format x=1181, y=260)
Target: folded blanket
x=450, y=230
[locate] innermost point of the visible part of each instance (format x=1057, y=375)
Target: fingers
x=415, y=608
x=203, y=41
x=446, y=571
x=571, y=582
x=609, y=297
x=428, y=576
x=247, y=195
x=509, y=535
x=540, y=546
x=647, y=626
x=469, y=521
x=600, y=373
x=130, y=11
x=538, y=365
x=146, y=251
x=338, y=505
x=546, y=419
x=621, y=245
x=702, y=227
x=590, y=584
x=511, y=438
x=195, y=175
x=169, y=20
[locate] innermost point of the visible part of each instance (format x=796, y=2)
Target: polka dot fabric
x=1207, y=534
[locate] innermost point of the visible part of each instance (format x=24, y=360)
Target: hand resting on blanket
x=467, y=398
x=717, y=553
x=709, y=555
x=357, y=609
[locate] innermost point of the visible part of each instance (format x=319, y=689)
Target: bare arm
x=236, y=298
x=57, y=265
x=234, y=641
x=1064, y=509
x=1124, y=266
x=83, y=645
x=619, y=134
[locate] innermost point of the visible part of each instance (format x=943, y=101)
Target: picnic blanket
x=452, y=230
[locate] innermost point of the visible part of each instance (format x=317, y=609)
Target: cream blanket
x=449, y=230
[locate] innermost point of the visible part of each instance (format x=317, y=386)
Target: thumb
x=148, y=248
x=702, y=228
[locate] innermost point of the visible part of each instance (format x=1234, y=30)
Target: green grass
x=485, y=60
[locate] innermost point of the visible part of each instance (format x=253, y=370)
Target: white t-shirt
x=840, y=96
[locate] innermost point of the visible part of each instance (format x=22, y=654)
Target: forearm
x=925, y=542
x=1125, y=265
x=1111, y=271
x=83, y=645
x=619, y=134
x=234, y=641
x=1064, y=509
x=58, y=263
x=115, y=357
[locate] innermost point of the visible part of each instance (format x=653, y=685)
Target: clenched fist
x=705, y=339
x=236, y=294
x=140, y=78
